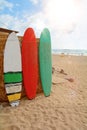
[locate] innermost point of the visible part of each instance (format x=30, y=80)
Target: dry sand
x=64, y=109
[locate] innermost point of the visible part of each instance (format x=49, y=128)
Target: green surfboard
x=45, y=60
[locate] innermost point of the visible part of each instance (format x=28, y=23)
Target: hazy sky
x=66, y=20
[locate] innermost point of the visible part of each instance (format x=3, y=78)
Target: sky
x=65, y=19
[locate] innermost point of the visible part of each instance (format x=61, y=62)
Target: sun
x=61, y=13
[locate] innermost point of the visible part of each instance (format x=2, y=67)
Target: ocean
x=70, y=52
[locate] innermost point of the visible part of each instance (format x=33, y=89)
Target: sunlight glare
x=61, y=13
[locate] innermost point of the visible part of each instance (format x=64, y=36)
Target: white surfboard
x=13, y=69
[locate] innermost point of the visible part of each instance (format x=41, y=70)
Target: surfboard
x=30, y=63
x=45, y=61
x=13, y=69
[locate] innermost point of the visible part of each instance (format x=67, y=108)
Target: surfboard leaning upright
x=45, y=60
x=12, y=69
x=30, y=63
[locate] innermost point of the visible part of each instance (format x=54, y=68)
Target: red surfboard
x=30, y=63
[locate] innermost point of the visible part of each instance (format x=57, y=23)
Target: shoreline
x=68, y=54
x=79, y=52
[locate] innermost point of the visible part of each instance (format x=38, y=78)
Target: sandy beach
x=64, y=109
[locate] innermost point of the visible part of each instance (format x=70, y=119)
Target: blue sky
x=66, y=20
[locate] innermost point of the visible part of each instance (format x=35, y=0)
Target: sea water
x=70, y=52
